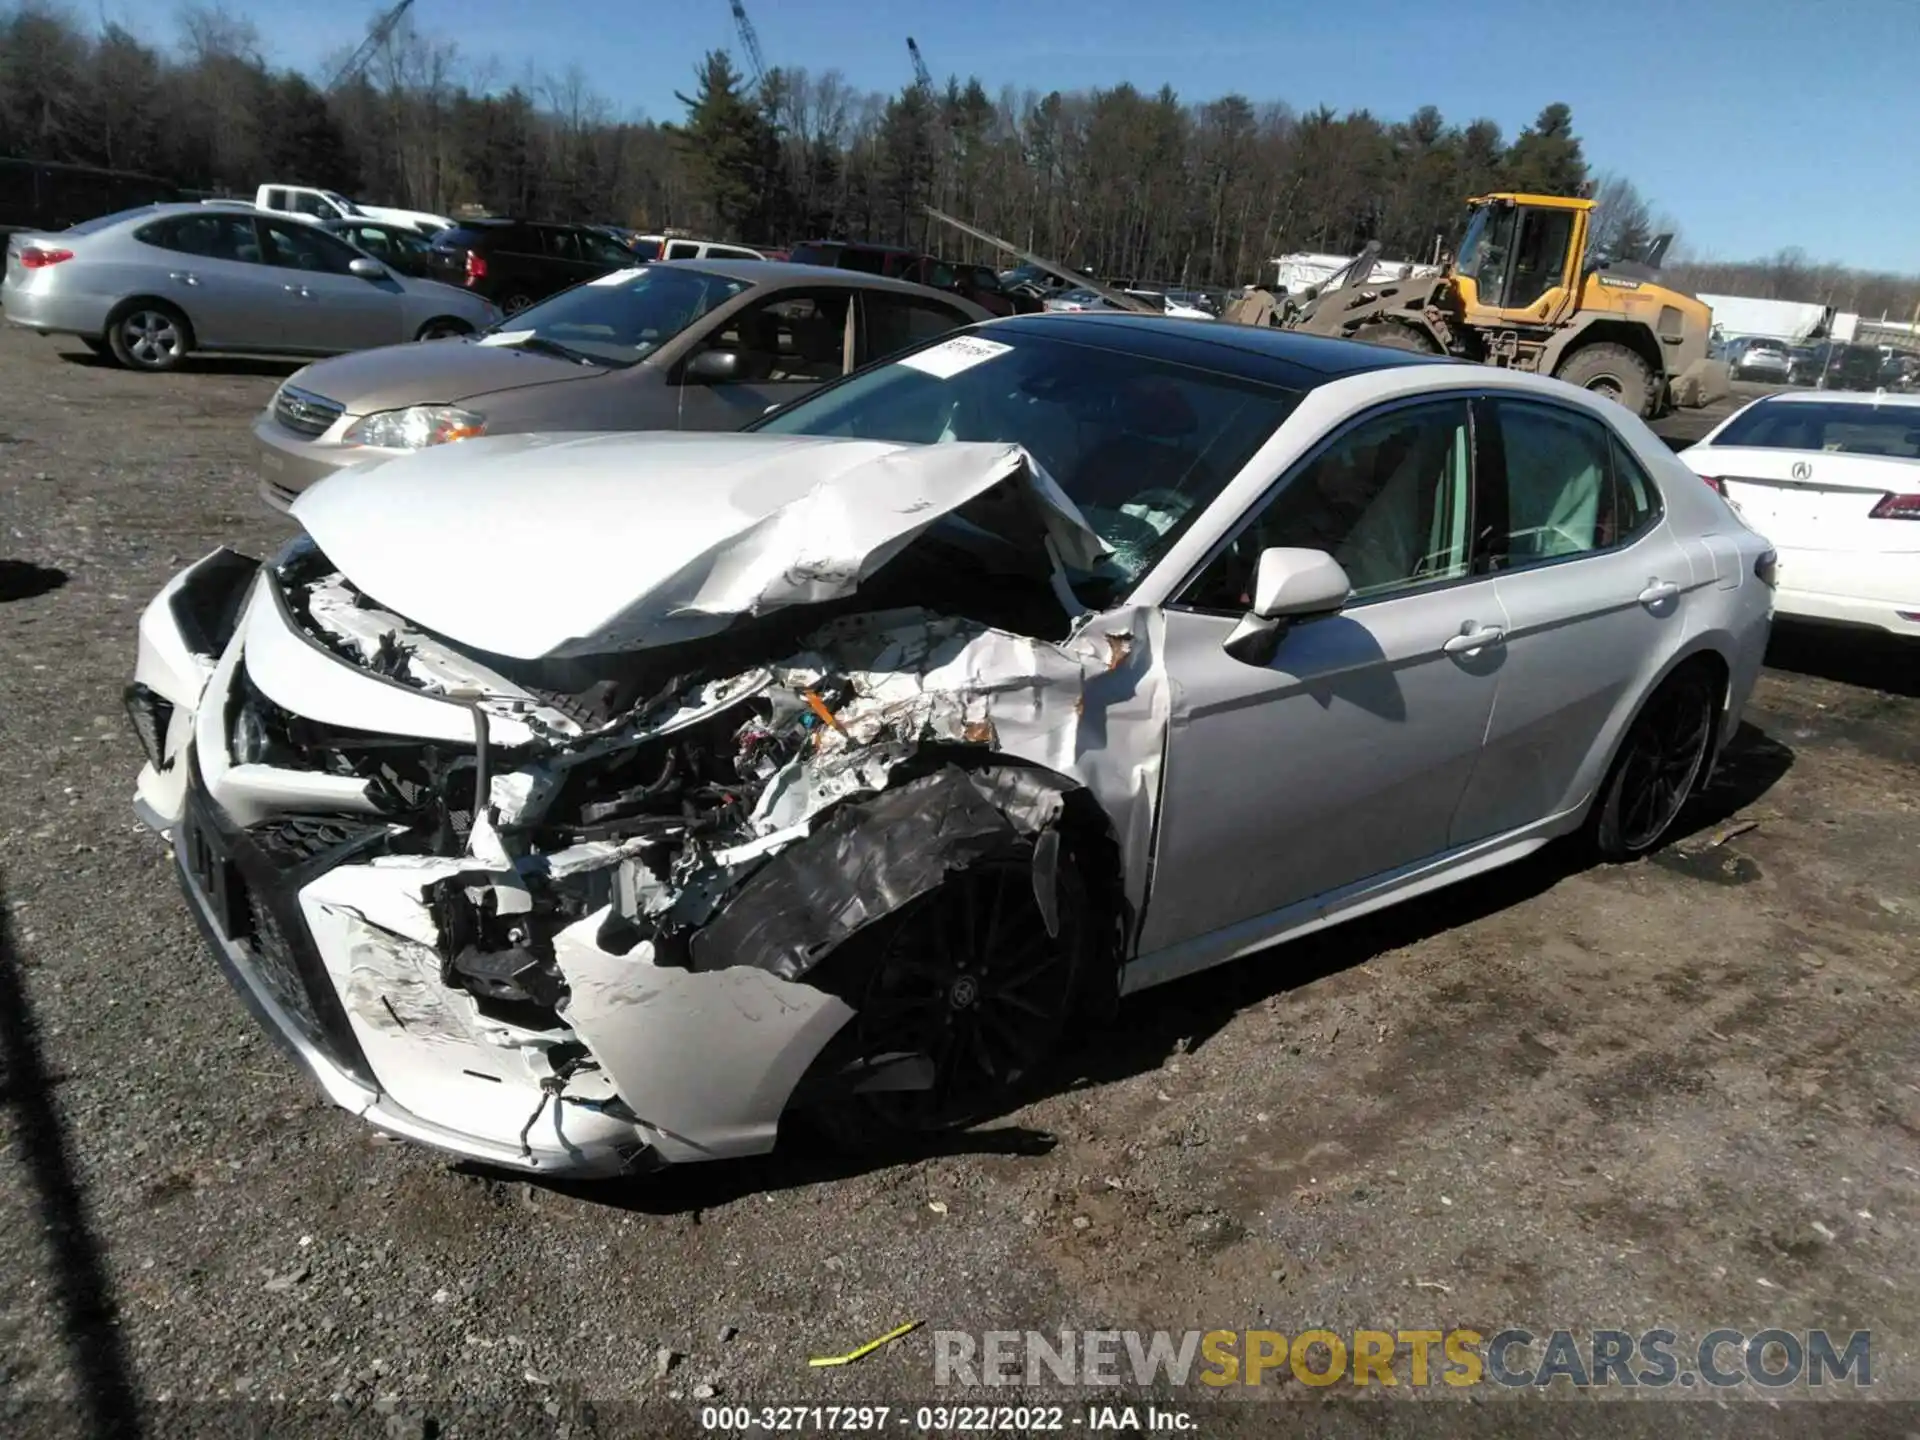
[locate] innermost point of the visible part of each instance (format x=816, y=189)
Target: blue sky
x=1757, y=124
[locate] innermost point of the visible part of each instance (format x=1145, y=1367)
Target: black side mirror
x=714, y=367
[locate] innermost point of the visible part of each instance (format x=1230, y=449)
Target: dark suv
x=513, y=263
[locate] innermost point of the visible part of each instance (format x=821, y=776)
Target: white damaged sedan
x=579, y=804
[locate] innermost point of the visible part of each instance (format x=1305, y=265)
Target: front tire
x=967, y=980
x=1661, y=760
x=149, y=335
x=443, y=329
x=1613, y=371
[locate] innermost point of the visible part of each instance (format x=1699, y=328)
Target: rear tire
x=149, y=335
x=967, y=977
x=1662, y=758
x=1613, y=371
x=1395, y=336
x=515, y=302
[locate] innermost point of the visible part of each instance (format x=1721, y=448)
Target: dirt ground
x=1681, y=1093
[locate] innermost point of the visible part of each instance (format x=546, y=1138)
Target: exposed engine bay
x=653, y=813
x=543, y=904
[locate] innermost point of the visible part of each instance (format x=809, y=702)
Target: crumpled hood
x=443, y=373
x=537, y=545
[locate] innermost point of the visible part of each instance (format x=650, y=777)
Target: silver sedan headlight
x=415, y=427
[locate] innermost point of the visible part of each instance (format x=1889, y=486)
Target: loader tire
x=1395, y=336
x=1613, y=371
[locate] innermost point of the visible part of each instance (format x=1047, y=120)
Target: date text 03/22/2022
x=944, y=1419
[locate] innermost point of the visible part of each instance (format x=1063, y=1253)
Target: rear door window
x=895, y=322
x=682, y=250
x=215, y=235
x=1570, y=488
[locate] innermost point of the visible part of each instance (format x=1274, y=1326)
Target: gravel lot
x=1684, y=1092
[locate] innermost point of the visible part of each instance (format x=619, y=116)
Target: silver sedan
x=151, y=285
x=582, y=803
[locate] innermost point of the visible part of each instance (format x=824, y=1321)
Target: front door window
x=1540, y=260
x=1389, y=500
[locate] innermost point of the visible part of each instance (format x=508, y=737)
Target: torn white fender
x=707, y=1061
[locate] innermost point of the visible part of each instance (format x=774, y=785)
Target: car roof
x=161, y=210
x=1280, y=357
x=787, y=272
x=1872, y=398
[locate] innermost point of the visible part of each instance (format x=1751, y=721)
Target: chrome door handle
x=1480, y=637
x=185, y=277
x=1658, y=591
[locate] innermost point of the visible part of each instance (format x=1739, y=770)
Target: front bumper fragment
x=247, y=908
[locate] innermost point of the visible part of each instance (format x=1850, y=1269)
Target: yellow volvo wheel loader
x=1522, y=292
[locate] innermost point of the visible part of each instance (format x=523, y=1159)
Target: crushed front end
x=543, y=915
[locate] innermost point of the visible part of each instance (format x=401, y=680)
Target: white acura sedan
x=586, y=803
x=1833, y=480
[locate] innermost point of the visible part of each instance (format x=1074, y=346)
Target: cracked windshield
x=1140, y=446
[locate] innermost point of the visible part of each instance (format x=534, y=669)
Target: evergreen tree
x=724, y=144
x=1545, y=157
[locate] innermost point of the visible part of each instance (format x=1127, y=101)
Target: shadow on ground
x=23, y=580
x=259, y=365
x=88, y=1316
x=1181, y=1017
x=1870, y=659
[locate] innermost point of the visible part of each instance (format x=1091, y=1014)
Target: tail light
x=34, y=257
x=1715, y=483
x=476, y=267
x=1896, y=507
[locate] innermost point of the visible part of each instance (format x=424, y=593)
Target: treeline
x=1119, y=181
x=1790, y=275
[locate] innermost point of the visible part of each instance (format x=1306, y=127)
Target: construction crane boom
x=378, y=34
x=920, y=71
x=749, y=42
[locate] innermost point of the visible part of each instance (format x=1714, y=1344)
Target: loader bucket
x=1702, y=383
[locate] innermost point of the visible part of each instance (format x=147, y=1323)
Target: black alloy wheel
x=1659, y=764
x=968, y=980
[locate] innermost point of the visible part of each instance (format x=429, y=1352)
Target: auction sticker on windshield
x=505, y=337
x=619, y=277
x=950, y=357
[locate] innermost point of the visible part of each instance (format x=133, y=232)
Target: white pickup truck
x=331, y=205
